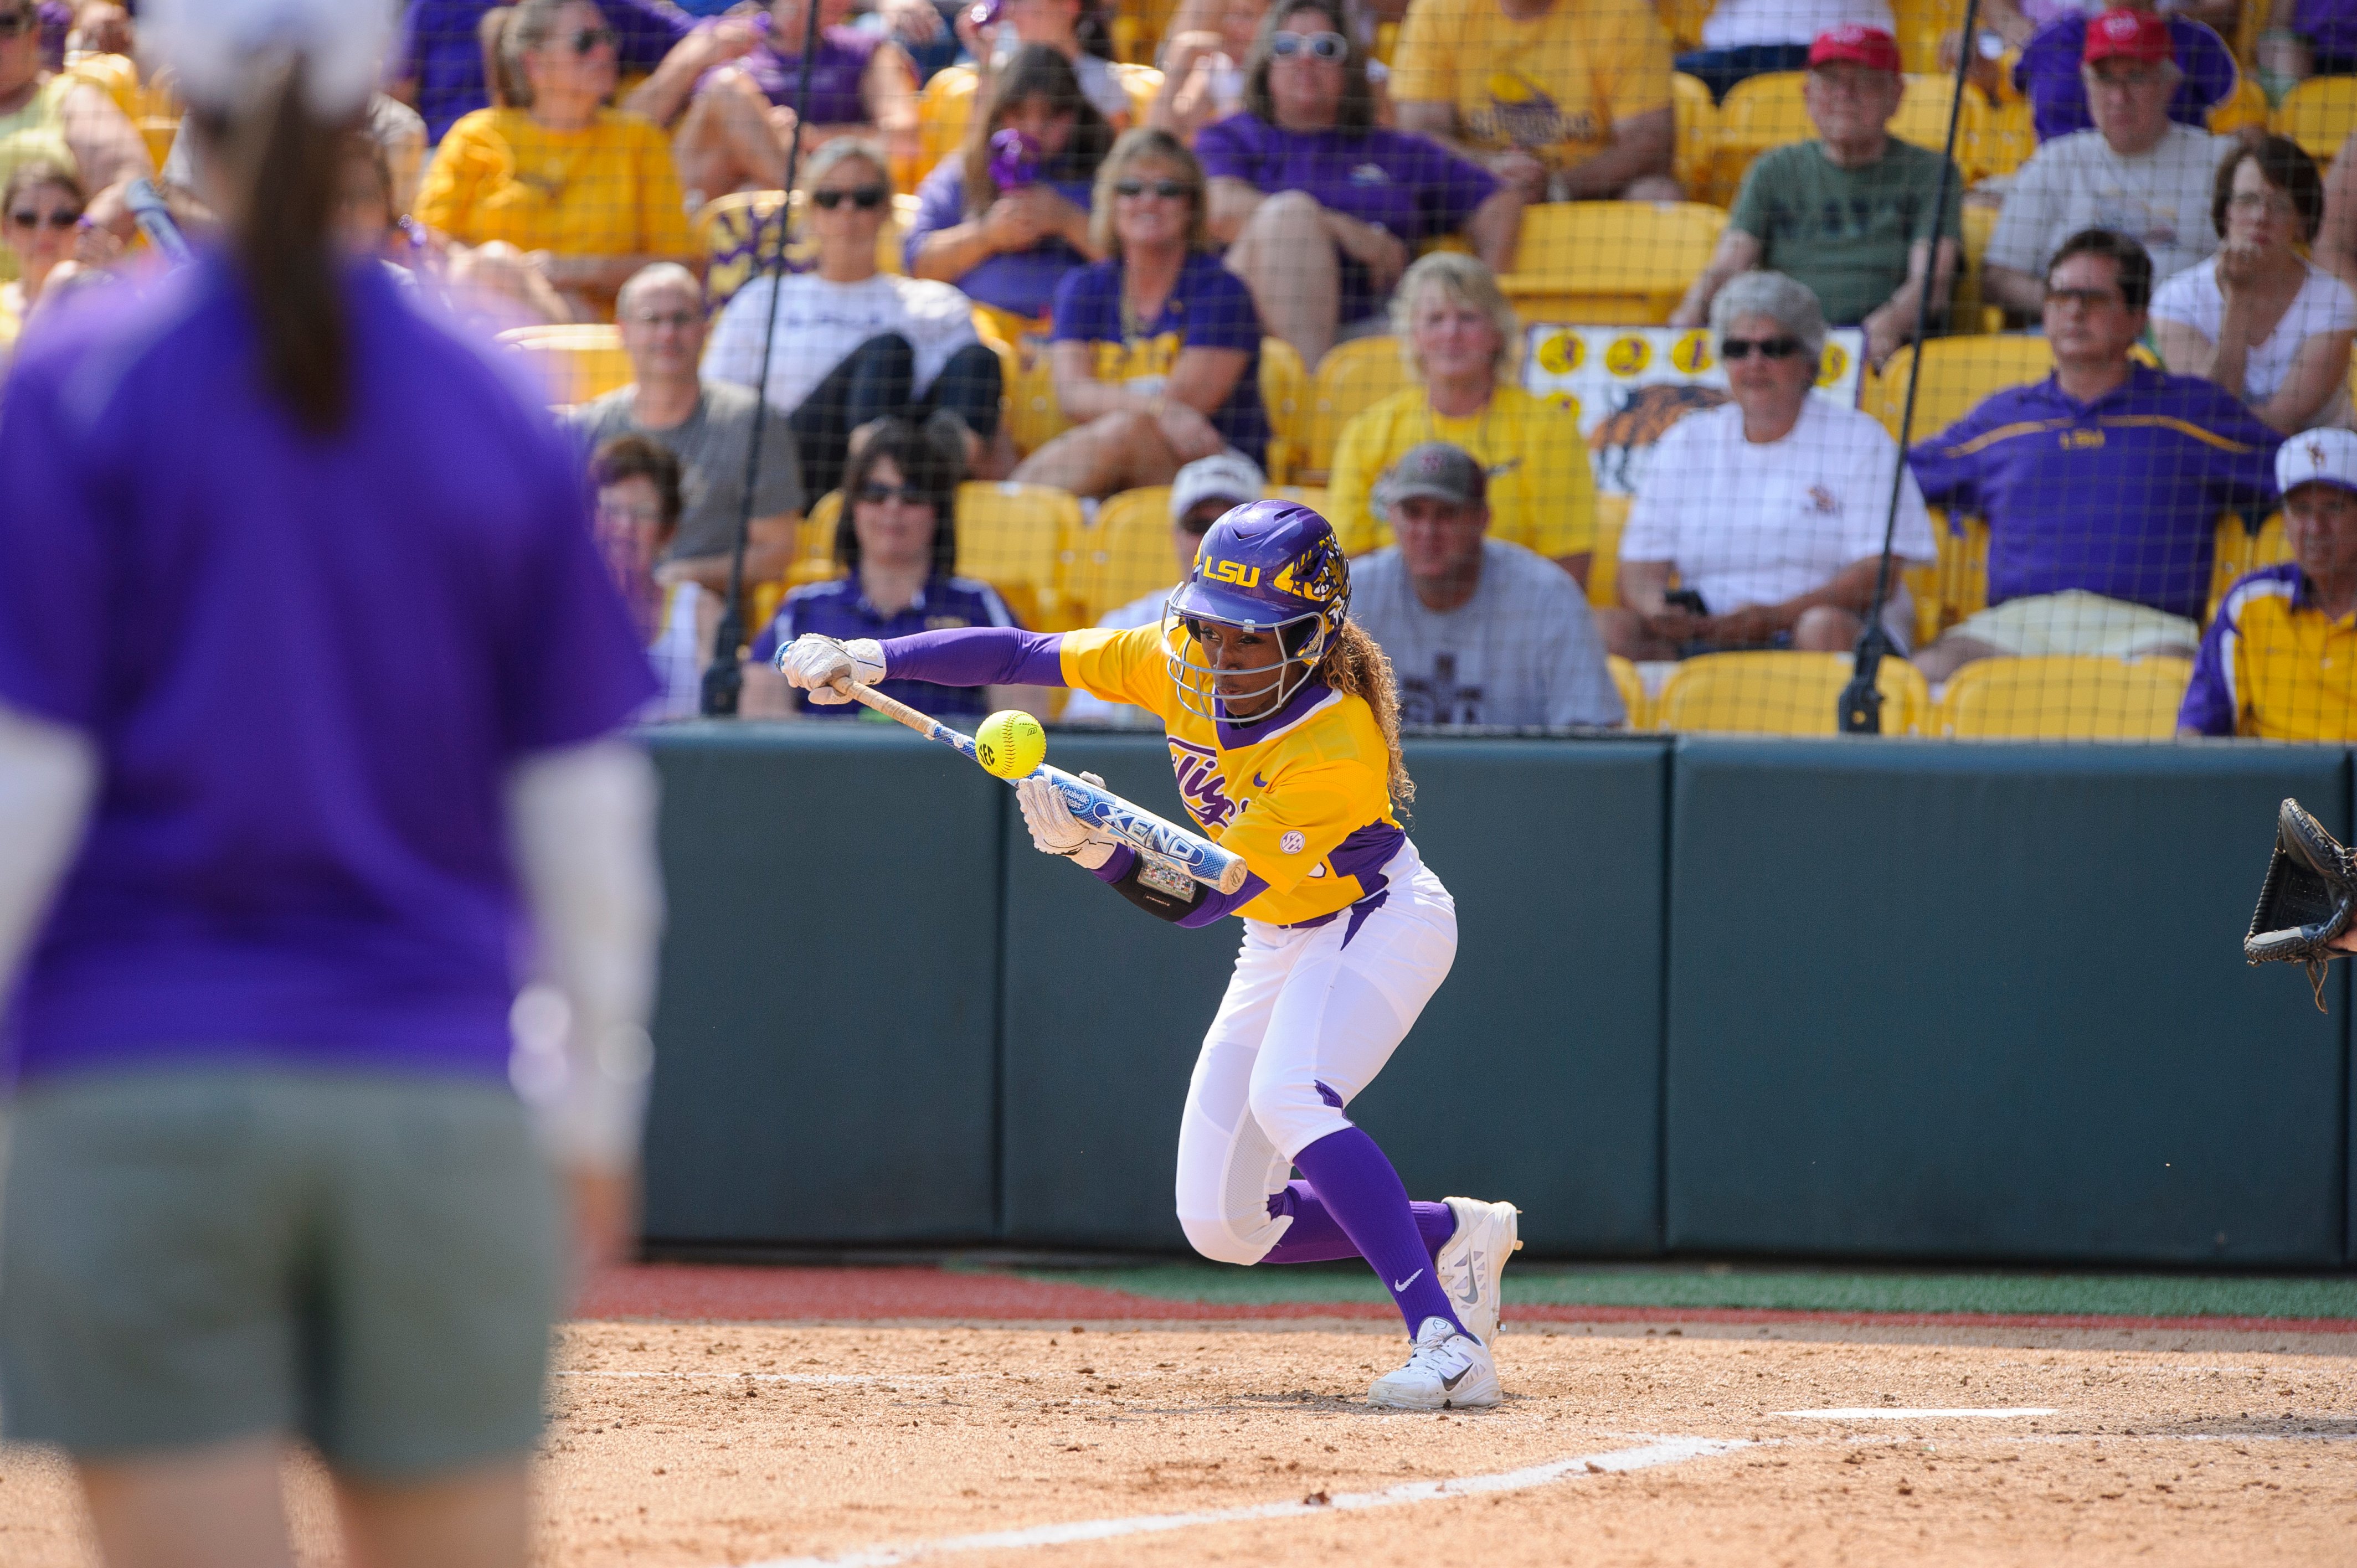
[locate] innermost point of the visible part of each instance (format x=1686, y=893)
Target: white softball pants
x=1307, y=1023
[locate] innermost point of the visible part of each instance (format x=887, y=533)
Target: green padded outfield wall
x=1533, y=1075
x=826, y=1034
x=1987, y=1002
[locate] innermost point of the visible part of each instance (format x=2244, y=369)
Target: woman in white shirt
x=854, y=346
x=1768, y=509
x=2259, y=318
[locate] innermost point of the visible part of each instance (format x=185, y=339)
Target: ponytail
x=1356, y=666
x=289, y=169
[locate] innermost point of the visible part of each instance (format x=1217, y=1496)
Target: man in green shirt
x=1850, y=213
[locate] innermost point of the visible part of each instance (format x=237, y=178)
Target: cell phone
x=1686, y=599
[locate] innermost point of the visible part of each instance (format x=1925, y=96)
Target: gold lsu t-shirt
x=1552, y=85
x=608, y=189
x=1304, y=797
x=1542, y=493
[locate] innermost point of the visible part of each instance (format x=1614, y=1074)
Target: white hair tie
x=226, y=51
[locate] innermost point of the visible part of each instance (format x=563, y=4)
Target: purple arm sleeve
x=1210, y=906
x=977, y=656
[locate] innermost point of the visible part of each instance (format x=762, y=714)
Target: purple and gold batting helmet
x=1269, y=565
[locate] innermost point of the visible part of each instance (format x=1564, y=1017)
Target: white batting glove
x=815, y=664
x=1054, y=829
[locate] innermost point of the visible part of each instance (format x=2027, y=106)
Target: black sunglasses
x=908, y=495
x=16, y=24
x=1167, y=189
x=867, y=197
x=1320, y=46
x=587, y=39
x=1767, y=347
x=59, y=220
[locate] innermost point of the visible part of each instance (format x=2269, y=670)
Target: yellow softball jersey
x=1303, y=797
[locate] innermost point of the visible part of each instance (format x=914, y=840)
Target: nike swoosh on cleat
x=1450, y=1383
x=1403, y=1284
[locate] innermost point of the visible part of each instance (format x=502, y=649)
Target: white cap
x=223, y=49
x=1223, y=476
x=2330, y=455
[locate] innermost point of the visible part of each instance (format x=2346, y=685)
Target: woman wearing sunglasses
x=897, y=539
x=553, y=180
x=1004, y=222
x=1769, y=509
x=1156, y=349
x=853, y=345
x=1321, y=208
x=40, y=221
x=64, y=119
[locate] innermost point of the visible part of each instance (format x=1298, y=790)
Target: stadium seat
x=1123, y=554
x=761, y=602
x=2239, y=551
x=1013, y=537
x=1604, y=565
x=1782, y=693
x=1698, y=119
x=2246, y=106
x=1919, y=26
x=2318, y=114
x=814, y=536
x=737, y=228
x=1923, y=116
x=1999, y=141
x=1605, y=262
x=1957, y=373
x=1285, y=392
x=1311, y=496
x=1351, y=379
x=1759, y=112
x=1683, y=18
x=1633, y=691
x=575, y=363
x=1033, y=415
x=1967, y=313
x=2063, y=698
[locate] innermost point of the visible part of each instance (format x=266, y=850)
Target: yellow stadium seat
x=1351, y=379
x=1386, y=42
x=1923, y=116
x=1632, y=692
x=1999, y=141
x=1783, y=693
x=762, y=600
x=1758, y=112
x=1012, y=536
x=2318, y=114
x=1600, y=262
x=1698, y=119
x=1683, y=18
x=2247, y=105
x=814, y=535
x=1311, y=496
x=740, y=228
x=1125, y=553
x=1604, y=565
x=2240, y=552
x=1958, y=372
x=1959, y=576
x=2063, y=698
x=1919, y=27
x=575, y=363
x=1285, y=392
x=1968, y=314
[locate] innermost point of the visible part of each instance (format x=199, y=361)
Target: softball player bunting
x=1282, y=728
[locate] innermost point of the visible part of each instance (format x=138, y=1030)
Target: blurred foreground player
x=1283, y=730
x=309, y=685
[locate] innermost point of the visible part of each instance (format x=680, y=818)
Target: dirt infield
x=694, y=1445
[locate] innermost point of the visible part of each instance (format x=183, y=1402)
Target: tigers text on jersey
x=1303, y=796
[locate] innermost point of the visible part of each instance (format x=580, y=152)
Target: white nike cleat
x=1446, y=1370
x=1473, y=1260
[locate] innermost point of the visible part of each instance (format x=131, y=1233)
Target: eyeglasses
x=867, y=197
x=679, y=320
x=2253, y=201
x=1766, y=347
x=1167, y=189
x=907, y=495
x=1320, y=46
x=60, y=220
x=16, y=24
x=2086, y=298
x=588, y=41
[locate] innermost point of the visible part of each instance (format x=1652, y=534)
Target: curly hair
x=1355, y=665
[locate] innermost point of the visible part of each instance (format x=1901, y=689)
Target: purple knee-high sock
x=1316, y=1237
x=1358, y=1187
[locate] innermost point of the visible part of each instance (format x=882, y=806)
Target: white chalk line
x=1900, y=1412
x=1661, y=1450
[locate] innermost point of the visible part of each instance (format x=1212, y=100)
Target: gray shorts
x=188, y=1257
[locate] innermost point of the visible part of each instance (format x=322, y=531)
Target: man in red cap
x=1851, y=213
x=2137, y=173
x=2048, y=73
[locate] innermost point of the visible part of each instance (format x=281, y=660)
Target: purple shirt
x=839, y=611
x=1410, y=185
x=1020, y=282
x=836, y=72
x=2329, y=25
x=2119, y=496
x=2048, y=75
x=439, y=50
x=1209, y=307
x=308, y=666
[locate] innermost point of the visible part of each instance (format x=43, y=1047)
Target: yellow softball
x=1011, y=744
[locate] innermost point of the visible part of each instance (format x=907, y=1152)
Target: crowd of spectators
x=544, y=162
